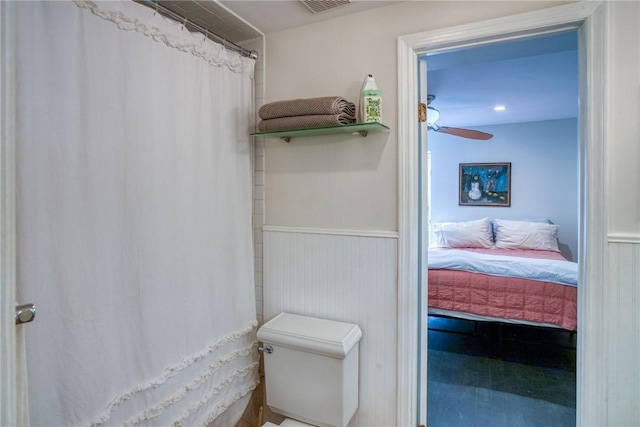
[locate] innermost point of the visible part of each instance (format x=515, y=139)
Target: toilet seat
x=287, y=423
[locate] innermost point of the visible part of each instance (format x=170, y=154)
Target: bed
x=502, y=270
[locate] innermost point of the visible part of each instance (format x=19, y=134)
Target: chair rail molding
x=336, y=232
x=624, y=238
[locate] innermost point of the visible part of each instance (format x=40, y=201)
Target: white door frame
x=12, y=409
x=590, y=19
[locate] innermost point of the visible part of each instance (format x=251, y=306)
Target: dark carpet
x=485, y=374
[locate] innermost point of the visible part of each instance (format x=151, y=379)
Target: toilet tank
x=312, y=373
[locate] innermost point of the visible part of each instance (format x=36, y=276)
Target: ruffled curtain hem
x=172, y=371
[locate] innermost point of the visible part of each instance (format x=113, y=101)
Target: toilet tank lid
x=322, y=336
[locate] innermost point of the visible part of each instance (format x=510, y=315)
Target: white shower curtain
x=134, y=218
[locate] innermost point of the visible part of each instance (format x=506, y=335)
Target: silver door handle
x=25, y=313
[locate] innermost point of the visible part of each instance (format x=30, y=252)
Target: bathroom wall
x=338, y=182
x=350, y=184
x=331, y=202
x=619, y=339
x=622, y=111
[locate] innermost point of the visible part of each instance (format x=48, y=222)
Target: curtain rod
x=173, y=15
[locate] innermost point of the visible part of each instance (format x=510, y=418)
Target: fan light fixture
x=432, y=116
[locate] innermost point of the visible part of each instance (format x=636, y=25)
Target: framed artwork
x=485, y=184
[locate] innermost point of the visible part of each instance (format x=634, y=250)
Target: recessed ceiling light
x=499, y=108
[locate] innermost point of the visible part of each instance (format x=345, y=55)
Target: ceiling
x=535, y=79
x=271, y=16
x=212, y=16
x=229, y=18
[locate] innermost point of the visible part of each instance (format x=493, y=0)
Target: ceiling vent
x=316, y=6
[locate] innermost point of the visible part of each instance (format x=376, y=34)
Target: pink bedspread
x=505, y=297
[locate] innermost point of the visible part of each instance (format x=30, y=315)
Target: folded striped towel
x=304, y=122
x=308, y=107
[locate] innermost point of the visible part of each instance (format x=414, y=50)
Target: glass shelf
x=361, y=128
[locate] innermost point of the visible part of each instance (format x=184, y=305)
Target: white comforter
x=546, y=270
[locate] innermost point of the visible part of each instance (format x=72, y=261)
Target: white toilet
x=311, y=370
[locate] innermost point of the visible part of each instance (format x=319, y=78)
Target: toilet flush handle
x=25, y=313
x=267, y=349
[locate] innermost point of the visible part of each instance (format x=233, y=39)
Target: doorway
x=513, y=370
x=589, y=21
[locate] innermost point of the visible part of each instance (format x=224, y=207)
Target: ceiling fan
x=433, y=115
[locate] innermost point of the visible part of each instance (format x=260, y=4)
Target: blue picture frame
x=485, y=184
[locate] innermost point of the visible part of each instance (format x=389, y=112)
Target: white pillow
x=493, y=224
x=526, y=235
x=468, y=234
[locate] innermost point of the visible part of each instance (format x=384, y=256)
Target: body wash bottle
x=370, y=101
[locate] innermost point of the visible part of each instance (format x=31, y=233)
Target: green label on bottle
x=372, y=108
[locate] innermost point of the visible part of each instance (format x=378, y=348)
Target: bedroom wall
x=331, y=202
x=544, y=174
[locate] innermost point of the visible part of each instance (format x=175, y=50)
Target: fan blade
x=465, y=133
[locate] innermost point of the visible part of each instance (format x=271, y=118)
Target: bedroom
x=537, y=136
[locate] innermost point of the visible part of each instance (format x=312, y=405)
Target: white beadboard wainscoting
x=343, y=275
x=352, y=276
x=622, y=337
